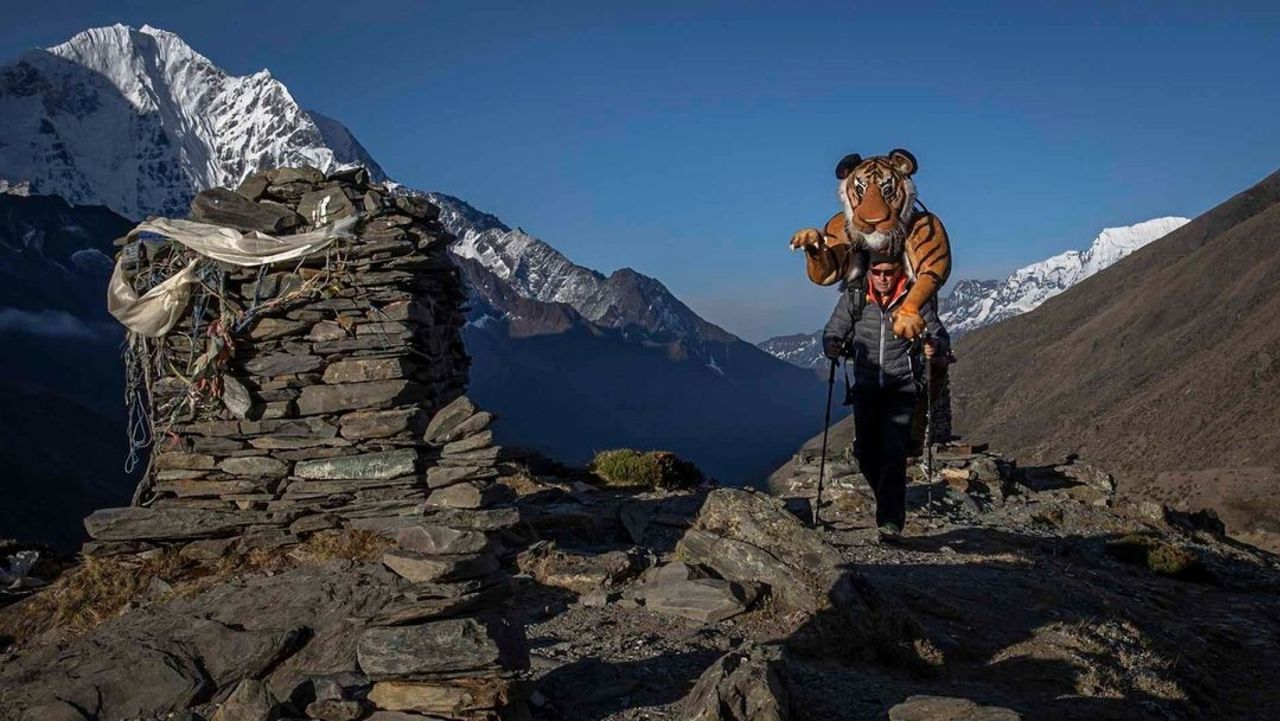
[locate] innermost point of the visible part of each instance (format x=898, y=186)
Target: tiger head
x=879, y=198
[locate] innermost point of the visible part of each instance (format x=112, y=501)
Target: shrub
x=1159, y=556
x=628, y=468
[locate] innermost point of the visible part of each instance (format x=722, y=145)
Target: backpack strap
x=857, y=290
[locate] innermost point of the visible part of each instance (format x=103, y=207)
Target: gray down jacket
x=879, y=357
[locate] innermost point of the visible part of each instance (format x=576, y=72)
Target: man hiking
x=888, y=376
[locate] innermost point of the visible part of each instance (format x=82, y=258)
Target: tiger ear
x=846, y=165
x=903, y=161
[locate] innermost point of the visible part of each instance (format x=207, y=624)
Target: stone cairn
x=327, y=394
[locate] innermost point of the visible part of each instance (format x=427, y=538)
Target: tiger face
x=879, y=198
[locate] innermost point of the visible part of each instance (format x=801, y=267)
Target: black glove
x=832, y=346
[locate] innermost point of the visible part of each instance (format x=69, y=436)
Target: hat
x=876, y=257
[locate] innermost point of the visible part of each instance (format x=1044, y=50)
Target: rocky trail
x=1018, y=593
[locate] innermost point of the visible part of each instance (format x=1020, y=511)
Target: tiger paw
x=810, y=239
x=908, y=324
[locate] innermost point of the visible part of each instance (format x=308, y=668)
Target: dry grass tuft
x=85, y=596
x=346, y=544
x=101, y=588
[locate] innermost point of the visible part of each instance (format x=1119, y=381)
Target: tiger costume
x=880, y=213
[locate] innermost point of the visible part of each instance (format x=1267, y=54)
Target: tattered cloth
x=154, y=313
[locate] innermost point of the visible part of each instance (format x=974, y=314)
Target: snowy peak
x=981, y=303
x=625, y=300
x=137, y=120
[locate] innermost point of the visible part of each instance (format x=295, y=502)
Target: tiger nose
x=873, y=209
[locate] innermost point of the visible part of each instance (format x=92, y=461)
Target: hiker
x=888, y=377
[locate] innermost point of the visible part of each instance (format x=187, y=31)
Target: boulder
x=751, y=538
x=742, y=685
x=942, y=708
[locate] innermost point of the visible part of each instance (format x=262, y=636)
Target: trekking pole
x=826, y=426
x=928, y=424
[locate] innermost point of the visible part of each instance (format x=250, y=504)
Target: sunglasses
x=886, y=273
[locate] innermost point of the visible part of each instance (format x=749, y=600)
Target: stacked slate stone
x=337, y=403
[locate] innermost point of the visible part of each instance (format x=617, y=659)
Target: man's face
x=884, y=276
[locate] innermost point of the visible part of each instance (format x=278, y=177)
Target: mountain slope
x=1168, y=360
x=570, y=386
x=138, y=121
x=976, y=304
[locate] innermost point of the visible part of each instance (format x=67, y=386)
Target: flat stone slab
x=372, y=466
x=254, y=466
x=423, y=568
x=451, y=647
x=278, y=364
x=220, y=206
x=441, y=540
x=366, y=369
x=709, y=600
x=457, y=411
x=372, y=395
x=360, y=425
x=127, y=524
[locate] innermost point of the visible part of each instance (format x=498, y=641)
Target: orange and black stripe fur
x=879, y=213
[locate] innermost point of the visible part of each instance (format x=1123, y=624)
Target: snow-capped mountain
x=971, y=304
x=798, y=349
x=625, y=300
x=1032, y=285
x=138, y=121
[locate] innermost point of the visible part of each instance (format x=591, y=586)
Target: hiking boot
x=889, y=532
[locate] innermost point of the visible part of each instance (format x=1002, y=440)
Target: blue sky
x=689, y=140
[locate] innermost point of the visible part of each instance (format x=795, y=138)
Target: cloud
x=54, y=324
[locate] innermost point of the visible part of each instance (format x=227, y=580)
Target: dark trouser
x=882, y=424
